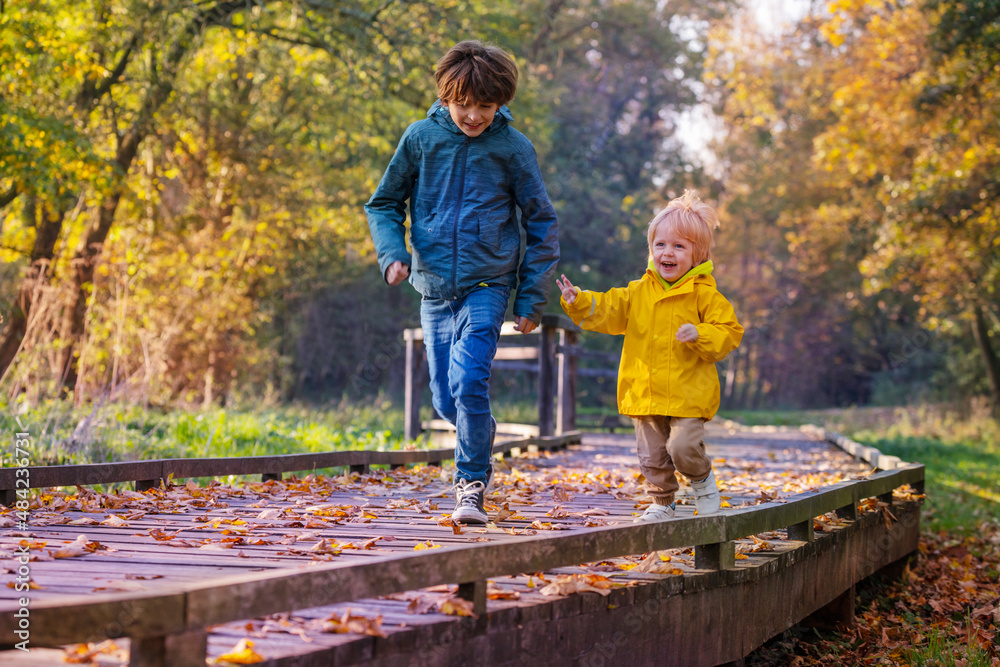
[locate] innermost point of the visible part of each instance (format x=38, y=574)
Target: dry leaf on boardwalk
x=242, y=654
x=448, y=522
x=422, y=604
x=455, y=606
x=325, y=546
x=495, y=592
x=349, y=623
x=115, y=521
x=85, y=653
x=578, y=583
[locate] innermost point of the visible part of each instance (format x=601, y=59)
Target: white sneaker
x=656, y=513
x=469, y=502
x=706, y=495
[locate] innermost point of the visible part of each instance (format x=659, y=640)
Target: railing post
x=849, y=512
x=716, y=556
x=413, y=383
x=546, y=380
x=474, y=592
x=802, y=532
x=186, y=649
x=147, y=484
x=566, y=392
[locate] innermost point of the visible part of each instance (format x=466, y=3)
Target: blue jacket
x=462, y=194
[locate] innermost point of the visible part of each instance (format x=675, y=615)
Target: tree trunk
x=981, y=332
x=48, y=226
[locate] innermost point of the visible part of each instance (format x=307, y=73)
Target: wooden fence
x=553, y=356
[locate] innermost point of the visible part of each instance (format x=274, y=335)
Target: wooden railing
x=153, y=473
x=553, y=357
x=184, y=612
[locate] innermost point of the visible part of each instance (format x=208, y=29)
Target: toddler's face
x=472, y=117
x=673, y=256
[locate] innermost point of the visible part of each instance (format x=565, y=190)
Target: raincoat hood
x=703, y=269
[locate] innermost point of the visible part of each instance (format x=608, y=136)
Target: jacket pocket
x=494, y=231
x=424, y=234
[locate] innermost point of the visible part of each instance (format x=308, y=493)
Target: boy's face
x=472, y=117
x=672, y=255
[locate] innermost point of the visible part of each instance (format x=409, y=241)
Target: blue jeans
x=460, y=336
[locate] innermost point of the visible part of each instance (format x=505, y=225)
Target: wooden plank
x=516, y=353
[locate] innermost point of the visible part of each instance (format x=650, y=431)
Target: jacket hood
x=703, y=269
x=440, y=115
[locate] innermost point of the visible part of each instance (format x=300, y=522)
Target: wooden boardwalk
x=85, y=543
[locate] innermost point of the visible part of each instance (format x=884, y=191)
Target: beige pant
x=669, y=444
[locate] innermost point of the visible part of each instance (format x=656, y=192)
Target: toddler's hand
x=567, y=289
x=688, y=333
x=396, y=273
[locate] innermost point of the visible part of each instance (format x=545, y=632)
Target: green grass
x=61, y=434
x=942, y=650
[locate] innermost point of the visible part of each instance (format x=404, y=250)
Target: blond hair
x=473, y=70
x=691, y=219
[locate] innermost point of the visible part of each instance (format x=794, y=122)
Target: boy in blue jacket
x=464, y=171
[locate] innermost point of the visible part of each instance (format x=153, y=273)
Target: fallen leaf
x=115, y=521
x=455, y=606
x=242, y=654
x=421, y=605
x=578, y=583
x=448, y=522
x=349, y=623
x=426, y=545
x=31, y=585
x=495, y=592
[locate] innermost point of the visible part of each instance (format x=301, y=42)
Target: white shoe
x=469, y=502
x=706, y=495
x=656, y=513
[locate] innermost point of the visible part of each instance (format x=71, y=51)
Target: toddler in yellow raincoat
x=676, y=326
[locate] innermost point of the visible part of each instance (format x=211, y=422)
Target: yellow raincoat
x=658, y=374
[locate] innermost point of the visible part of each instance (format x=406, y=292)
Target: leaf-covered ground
x=943, y=611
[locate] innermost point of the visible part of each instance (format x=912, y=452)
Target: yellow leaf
x=242, y=654
x=426, y=545
x=455, y=606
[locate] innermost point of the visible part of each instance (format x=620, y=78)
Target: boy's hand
x=396, y=273
x=688, y=333
x=523, y=324
x=567, y=288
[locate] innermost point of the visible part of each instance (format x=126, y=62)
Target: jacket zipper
x=458, y=215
